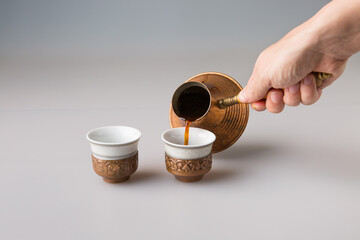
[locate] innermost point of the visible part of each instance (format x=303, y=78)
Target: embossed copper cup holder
x=114, y=152
x=115, y=171
x=188, y=163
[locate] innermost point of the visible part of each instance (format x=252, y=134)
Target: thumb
x=254, y=91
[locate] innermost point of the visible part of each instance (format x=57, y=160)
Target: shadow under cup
x=188, y=163
x=114, y=152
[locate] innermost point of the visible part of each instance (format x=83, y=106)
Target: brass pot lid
x=227, y=124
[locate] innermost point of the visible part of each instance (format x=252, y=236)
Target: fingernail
x=294, y=88
x=275, y=97
x=308, y=80
x=242, y=97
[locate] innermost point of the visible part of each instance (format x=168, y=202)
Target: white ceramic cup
x=114, y=142
x=200, y=143
x=188, y=163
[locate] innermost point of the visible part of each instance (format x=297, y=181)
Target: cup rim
x=213, y=138
x=112, y=143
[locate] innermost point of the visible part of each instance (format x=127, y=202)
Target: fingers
x=292, y=96
x=309, y=91
x=258, y=105
x=274, y=101
x=337, y=68
x=254, y=91
x=305, y=92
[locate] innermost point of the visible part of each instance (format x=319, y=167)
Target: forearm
x=338, y=28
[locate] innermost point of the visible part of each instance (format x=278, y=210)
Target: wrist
x=337, y=28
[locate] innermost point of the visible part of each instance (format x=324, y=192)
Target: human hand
x=283, y=71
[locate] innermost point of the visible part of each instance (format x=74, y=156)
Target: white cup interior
x=197, y=137
x=113, y=135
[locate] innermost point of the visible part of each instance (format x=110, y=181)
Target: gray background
x=69, y=66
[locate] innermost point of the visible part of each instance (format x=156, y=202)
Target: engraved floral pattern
x=190, y=167
x=115, y=168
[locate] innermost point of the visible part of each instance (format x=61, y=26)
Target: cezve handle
x=227, y=102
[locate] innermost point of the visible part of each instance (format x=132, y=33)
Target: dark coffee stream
x=186, y=136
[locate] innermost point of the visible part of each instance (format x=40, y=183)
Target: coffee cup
x=114, y=152
x=188, y=163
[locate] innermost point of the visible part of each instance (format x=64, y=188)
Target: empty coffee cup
x=188, y=163
x=114, y=152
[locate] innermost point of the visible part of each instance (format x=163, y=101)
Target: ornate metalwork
x=193, y=167
x=115, y=170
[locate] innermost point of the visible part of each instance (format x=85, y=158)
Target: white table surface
x=294, y=175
